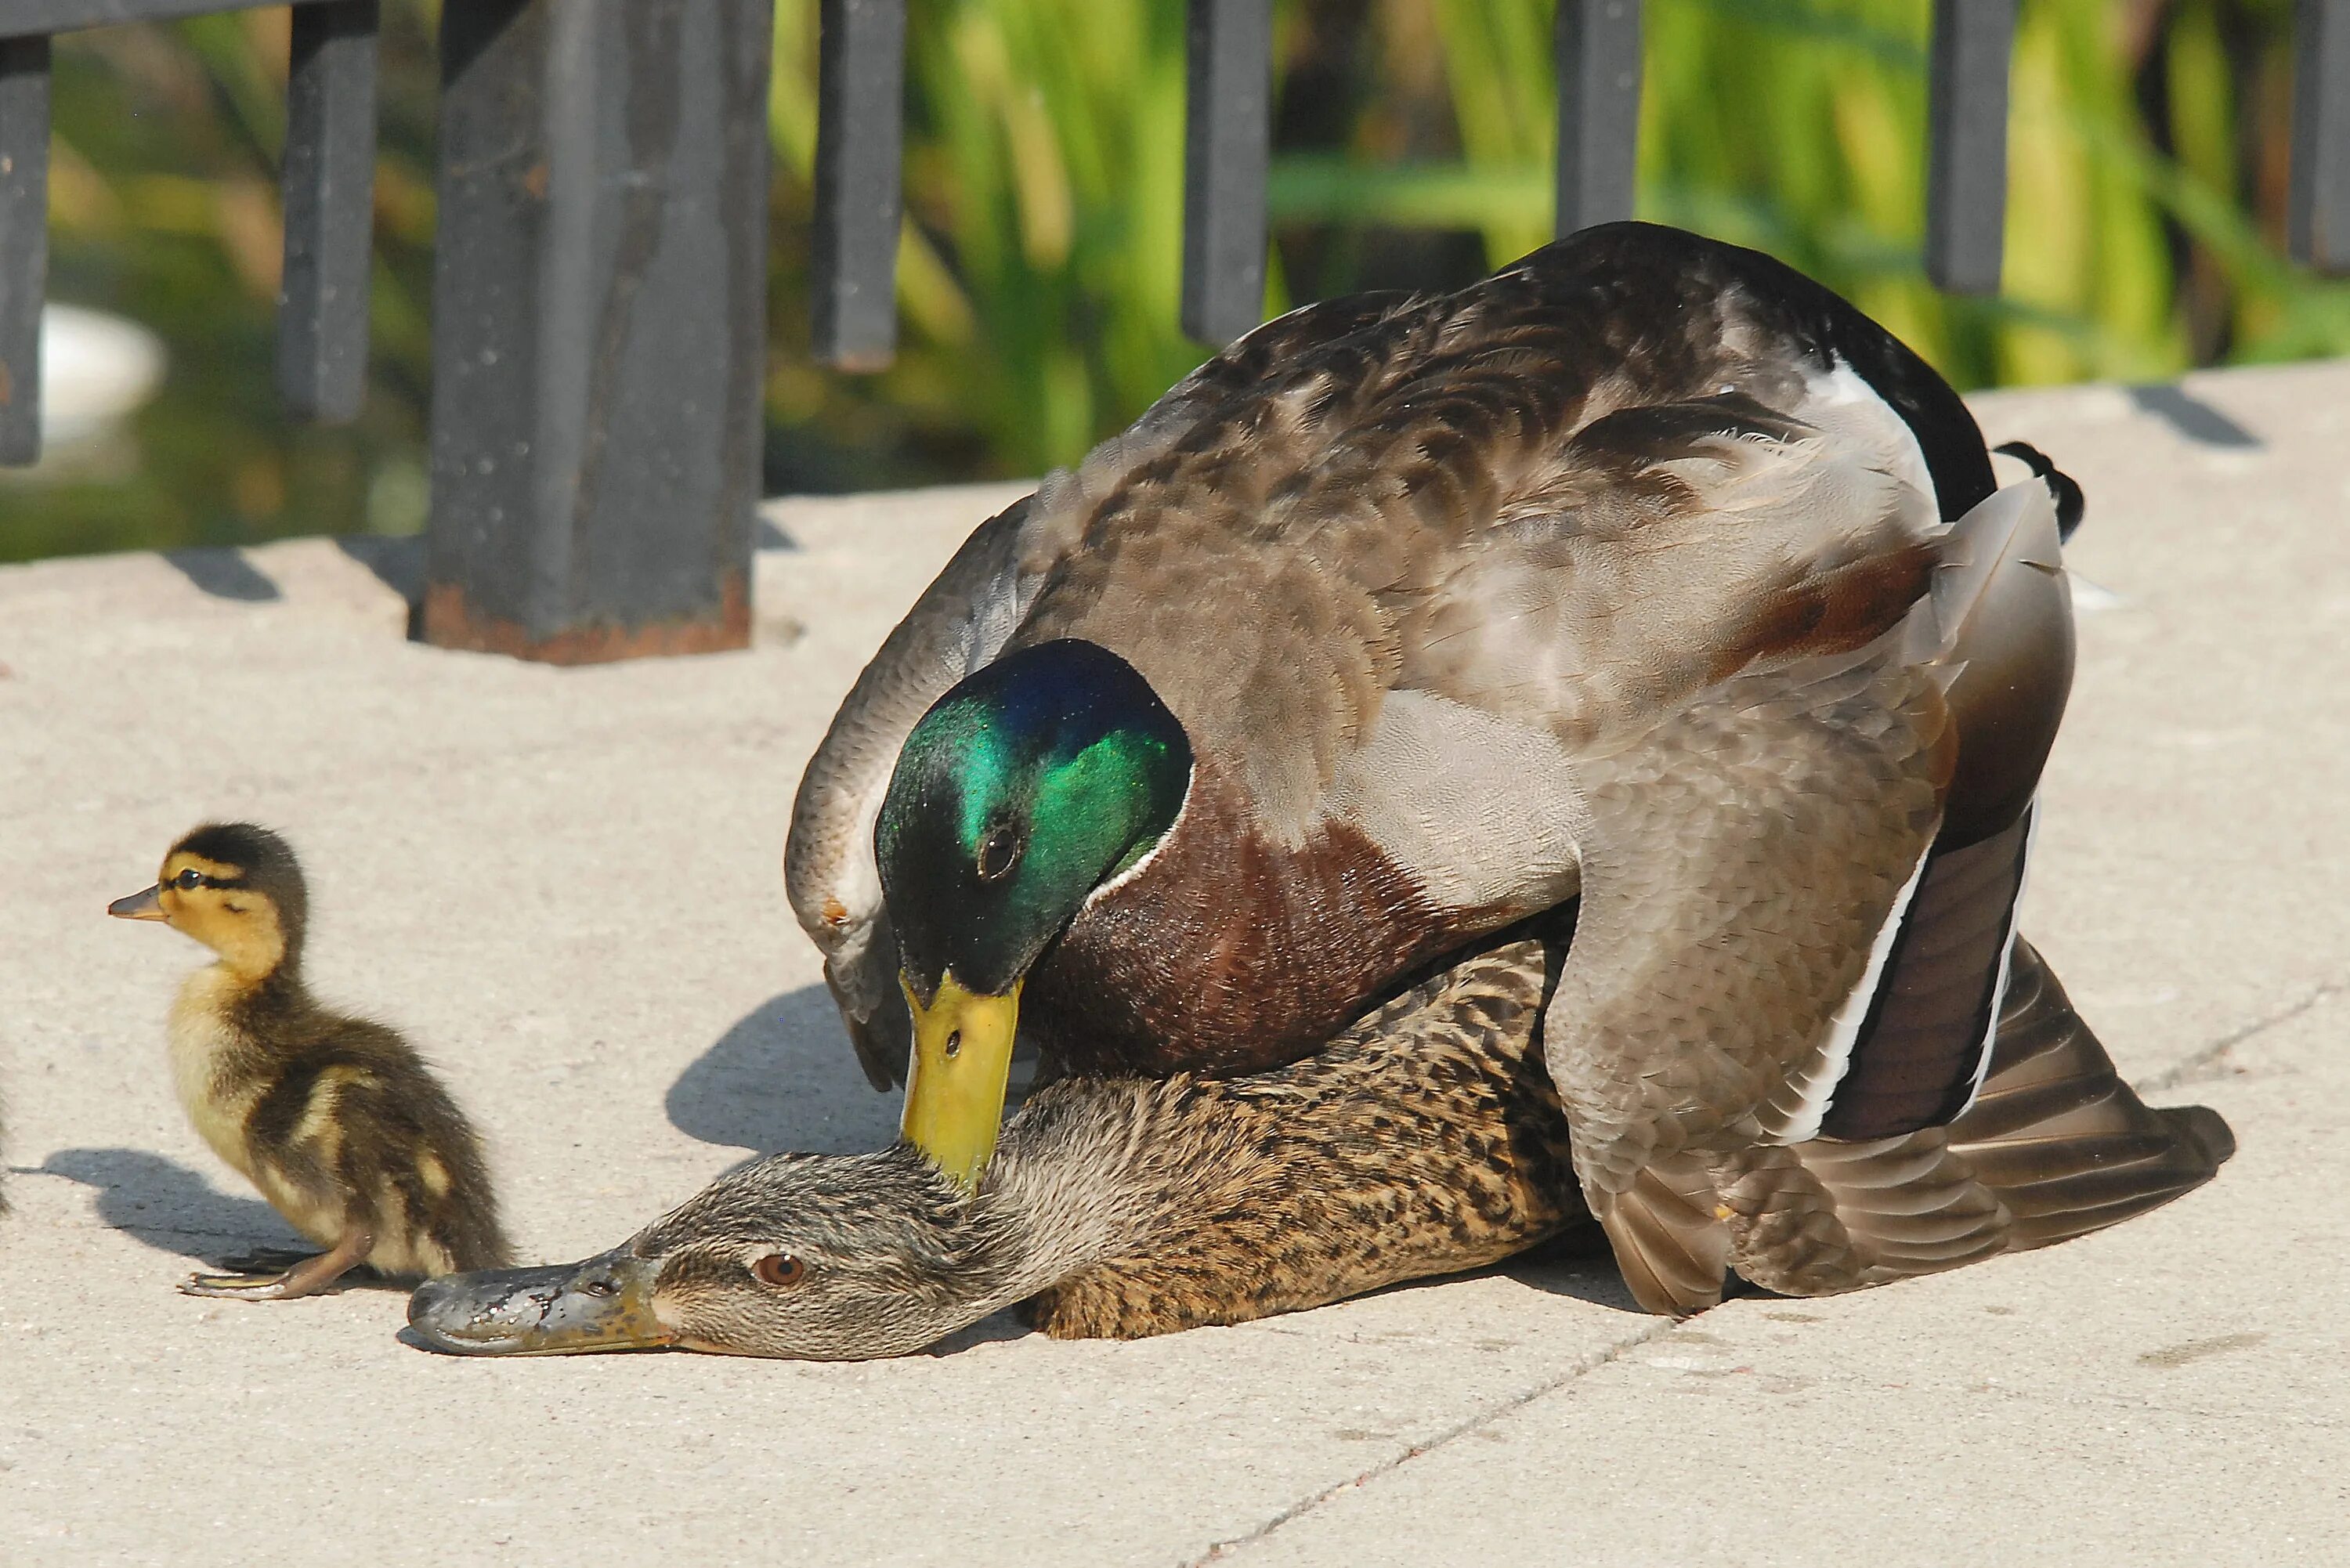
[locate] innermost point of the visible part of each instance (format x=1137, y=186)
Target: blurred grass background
x=1041, y=254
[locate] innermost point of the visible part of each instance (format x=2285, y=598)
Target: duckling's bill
x=603, y=1304
x=146, y=906
x=960, y=1069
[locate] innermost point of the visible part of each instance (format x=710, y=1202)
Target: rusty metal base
x=449, y=621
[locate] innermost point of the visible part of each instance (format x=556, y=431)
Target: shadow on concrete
x=1577, y=1262
x=784, y=1078
x=993, y=1329
x=224, y=575
x=2193, y=418
x=169, y=1207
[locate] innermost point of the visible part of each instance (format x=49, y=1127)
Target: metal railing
x=599, y=271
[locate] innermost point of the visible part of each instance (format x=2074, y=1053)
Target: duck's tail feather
x=2064, y=1142
x=2072, y=506
x=2000, y=583
x=2055, y=1147
x=1669, y=1238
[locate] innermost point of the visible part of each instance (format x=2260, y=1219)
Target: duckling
x=336, y=1119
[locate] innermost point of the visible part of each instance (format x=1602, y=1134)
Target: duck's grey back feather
x=1568, y=497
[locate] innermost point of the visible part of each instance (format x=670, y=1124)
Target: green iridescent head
x=1022, y=789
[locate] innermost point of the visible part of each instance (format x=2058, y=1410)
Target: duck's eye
x=779, y=1269
x=189, y=876
x=999, y=851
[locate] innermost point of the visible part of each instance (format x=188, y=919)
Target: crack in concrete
x=2169, y=1077
x=2186, y=1066
x=1657, y=1330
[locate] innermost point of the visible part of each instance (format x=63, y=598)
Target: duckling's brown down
x=336, y=1119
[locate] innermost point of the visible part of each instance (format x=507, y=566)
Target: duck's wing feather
x=2066, y=1145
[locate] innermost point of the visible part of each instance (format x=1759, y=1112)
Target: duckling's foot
x=251, y=1287
x=307, y=1276
x=277, y=1260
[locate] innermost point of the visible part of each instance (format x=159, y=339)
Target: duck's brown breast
x=1227, y=953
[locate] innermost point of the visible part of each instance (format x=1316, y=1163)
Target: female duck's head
x=810, y=1256
x=1022, y=790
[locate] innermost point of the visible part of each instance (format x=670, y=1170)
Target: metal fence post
x=24, y=240
x=1966, y=162
x=859, y=204
x=2321, y=134
x=600, y=291
x=1598, y=50
x=329, y=184
x=1227, y=146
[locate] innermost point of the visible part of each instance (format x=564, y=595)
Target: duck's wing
x=963, y=619
x=1799, y=894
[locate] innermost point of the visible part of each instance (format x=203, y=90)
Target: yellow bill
x=962, y=1065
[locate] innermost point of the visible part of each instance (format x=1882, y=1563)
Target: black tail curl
x=2071, y=504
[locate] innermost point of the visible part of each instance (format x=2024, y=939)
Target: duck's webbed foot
x=307, y=1275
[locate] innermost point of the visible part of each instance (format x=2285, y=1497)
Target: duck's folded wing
x=1745, y=868
x=1799, y=892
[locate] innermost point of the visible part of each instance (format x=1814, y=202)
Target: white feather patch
x=1816, y=1090
x=1105, y=889
x=2006, y=960
x=1842, y=402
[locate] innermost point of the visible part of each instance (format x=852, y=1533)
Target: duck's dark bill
x=603, y=1304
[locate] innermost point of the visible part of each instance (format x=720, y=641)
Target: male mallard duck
x=1646, y=567
x=1425, y=1139
x=336, y=1119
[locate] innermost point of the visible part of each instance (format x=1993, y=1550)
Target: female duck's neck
x=1065, y=1190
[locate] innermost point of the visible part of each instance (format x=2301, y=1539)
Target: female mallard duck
x=336, y=1119
x=1646, y=567
x=1424, y=1139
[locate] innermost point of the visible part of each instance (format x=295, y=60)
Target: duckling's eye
x=779, y=1269
x=998, y=853
x=189, y=876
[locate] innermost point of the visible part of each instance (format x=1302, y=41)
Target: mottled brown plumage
x=1645, y=569
x=336, y=1119
x=1424, y=1140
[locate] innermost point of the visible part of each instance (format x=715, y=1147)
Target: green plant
x=1040, y=260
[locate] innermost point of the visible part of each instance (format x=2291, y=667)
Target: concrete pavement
x=566, y=884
